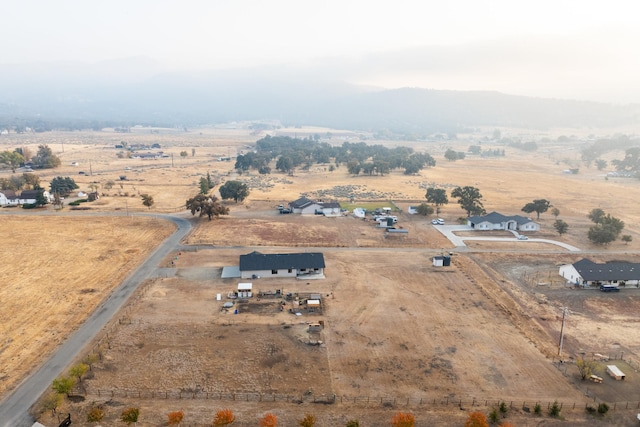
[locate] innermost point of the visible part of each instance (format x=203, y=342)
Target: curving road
x=14, y=410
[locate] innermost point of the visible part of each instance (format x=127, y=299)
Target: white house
x=305, y=206
x=497, y=221
x=587, y=273
x=256, y=265
x=8, y=198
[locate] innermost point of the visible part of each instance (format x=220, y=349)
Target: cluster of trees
x=45, y=159
x=26, y=181
x=359, y=157
x=12, y=159
x=469, y=199
x=236, y=190
x=592, y=152
x=206, y=184
x=477, y=150
x=204, y=204
x=62, y=186
x=606, y=228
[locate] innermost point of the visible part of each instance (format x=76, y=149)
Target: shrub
x=554, y=410
x=590, y=409
x=603, y=408
x=503, y=408
x=28, y=206
x=493, y=415
x=537, y=409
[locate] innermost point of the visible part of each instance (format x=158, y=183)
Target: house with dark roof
x=497, y=221
x=305, y=264
x=587, y=273
x=305, y=206
x=9, y=198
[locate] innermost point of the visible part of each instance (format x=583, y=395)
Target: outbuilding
x=245, y=290
x=614, y=372
x=442, y=261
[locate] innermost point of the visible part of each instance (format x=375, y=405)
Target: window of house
x=290, y=270
x=303, y=269
x=274, y=271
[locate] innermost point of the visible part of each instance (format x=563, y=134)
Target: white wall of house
x=570, y=274
x=310, y=210
x=529, y=226
x=331, y=211
x=265, y=274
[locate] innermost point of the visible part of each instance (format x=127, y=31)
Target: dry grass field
x=395, y=326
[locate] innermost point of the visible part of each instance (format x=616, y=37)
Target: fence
x=362, y=401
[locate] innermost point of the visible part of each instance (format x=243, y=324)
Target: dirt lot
x=395, y=326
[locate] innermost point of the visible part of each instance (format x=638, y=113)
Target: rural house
x=497, y=221
x=587, y=273
x=307, y=264
x=8, y=198
x=305, y=206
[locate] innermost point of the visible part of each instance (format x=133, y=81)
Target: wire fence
x=362, y=401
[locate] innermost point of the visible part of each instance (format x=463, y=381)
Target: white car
x=434, y=221
x=522, y=237
x=440, y=221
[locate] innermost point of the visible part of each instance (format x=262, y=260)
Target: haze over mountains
x=141, y=91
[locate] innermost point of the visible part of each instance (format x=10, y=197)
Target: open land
x=395, y=327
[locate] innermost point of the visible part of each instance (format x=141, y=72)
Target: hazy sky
x=566, y=49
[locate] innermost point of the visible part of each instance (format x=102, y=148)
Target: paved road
x=14, y=409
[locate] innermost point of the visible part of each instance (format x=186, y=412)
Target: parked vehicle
x=522, y=237
x=609, y=288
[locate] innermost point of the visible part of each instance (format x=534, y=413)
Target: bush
x=493, y=415
x=503, y=408
x=537, y=409
x=554, y=410
x=603, y=408
x=590, y=409
x=28, y=206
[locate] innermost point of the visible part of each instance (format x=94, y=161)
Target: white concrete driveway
x=449, y=232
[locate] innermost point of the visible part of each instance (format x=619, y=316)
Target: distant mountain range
x=138, y=92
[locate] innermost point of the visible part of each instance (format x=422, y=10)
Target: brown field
x=396, y=327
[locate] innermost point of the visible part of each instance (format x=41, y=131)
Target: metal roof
x=498, y=218
x=258, y=261
x=591, y=271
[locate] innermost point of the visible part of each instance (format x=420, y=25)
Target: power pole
x=565, y=310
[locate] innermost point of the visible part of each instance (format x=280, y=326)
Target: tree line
x=291, y=153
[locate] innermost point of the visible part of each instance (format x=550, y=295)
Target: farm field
x=395, y=326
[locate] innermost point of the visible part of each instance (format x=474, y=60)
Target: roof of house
x=498, y=218
x=591, y=271
x=9, y=194
x=30, y=194
x=258, y=261
x=302, y=202
x=330, y=205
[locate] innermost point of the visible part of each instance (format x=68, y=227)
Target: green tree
x=555, y=212
x=437, y=196
x=45, y=159
x=204, y=186
x=63, y=186
x=626, y=239
x=538, y=206
x=424, y=209
x=354, y=167
x=236, y=190
x=206, y=205
x=64, y=385
x=596, y=215
x=560, y=226
x=555, y=409
x=183, y=154
x=41, y=200
x=284, y=164
x=130, y=416
x=147, y=200
x=309, y=420
x=11, y=159
x=451, y=155
x=91, y=359
x=78, y=371
x=601, y=164
x=469, y=199
x=601, y=235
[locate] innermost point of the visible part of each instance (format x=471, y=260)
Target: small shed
x=313, y=304
x=442, y=261
x=614, y=372
x=245, y=290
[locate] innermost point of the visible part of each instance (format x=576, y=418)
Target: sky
x=561, y=49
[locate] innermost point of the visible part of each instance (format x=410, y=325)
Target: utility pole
x=565, y=310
